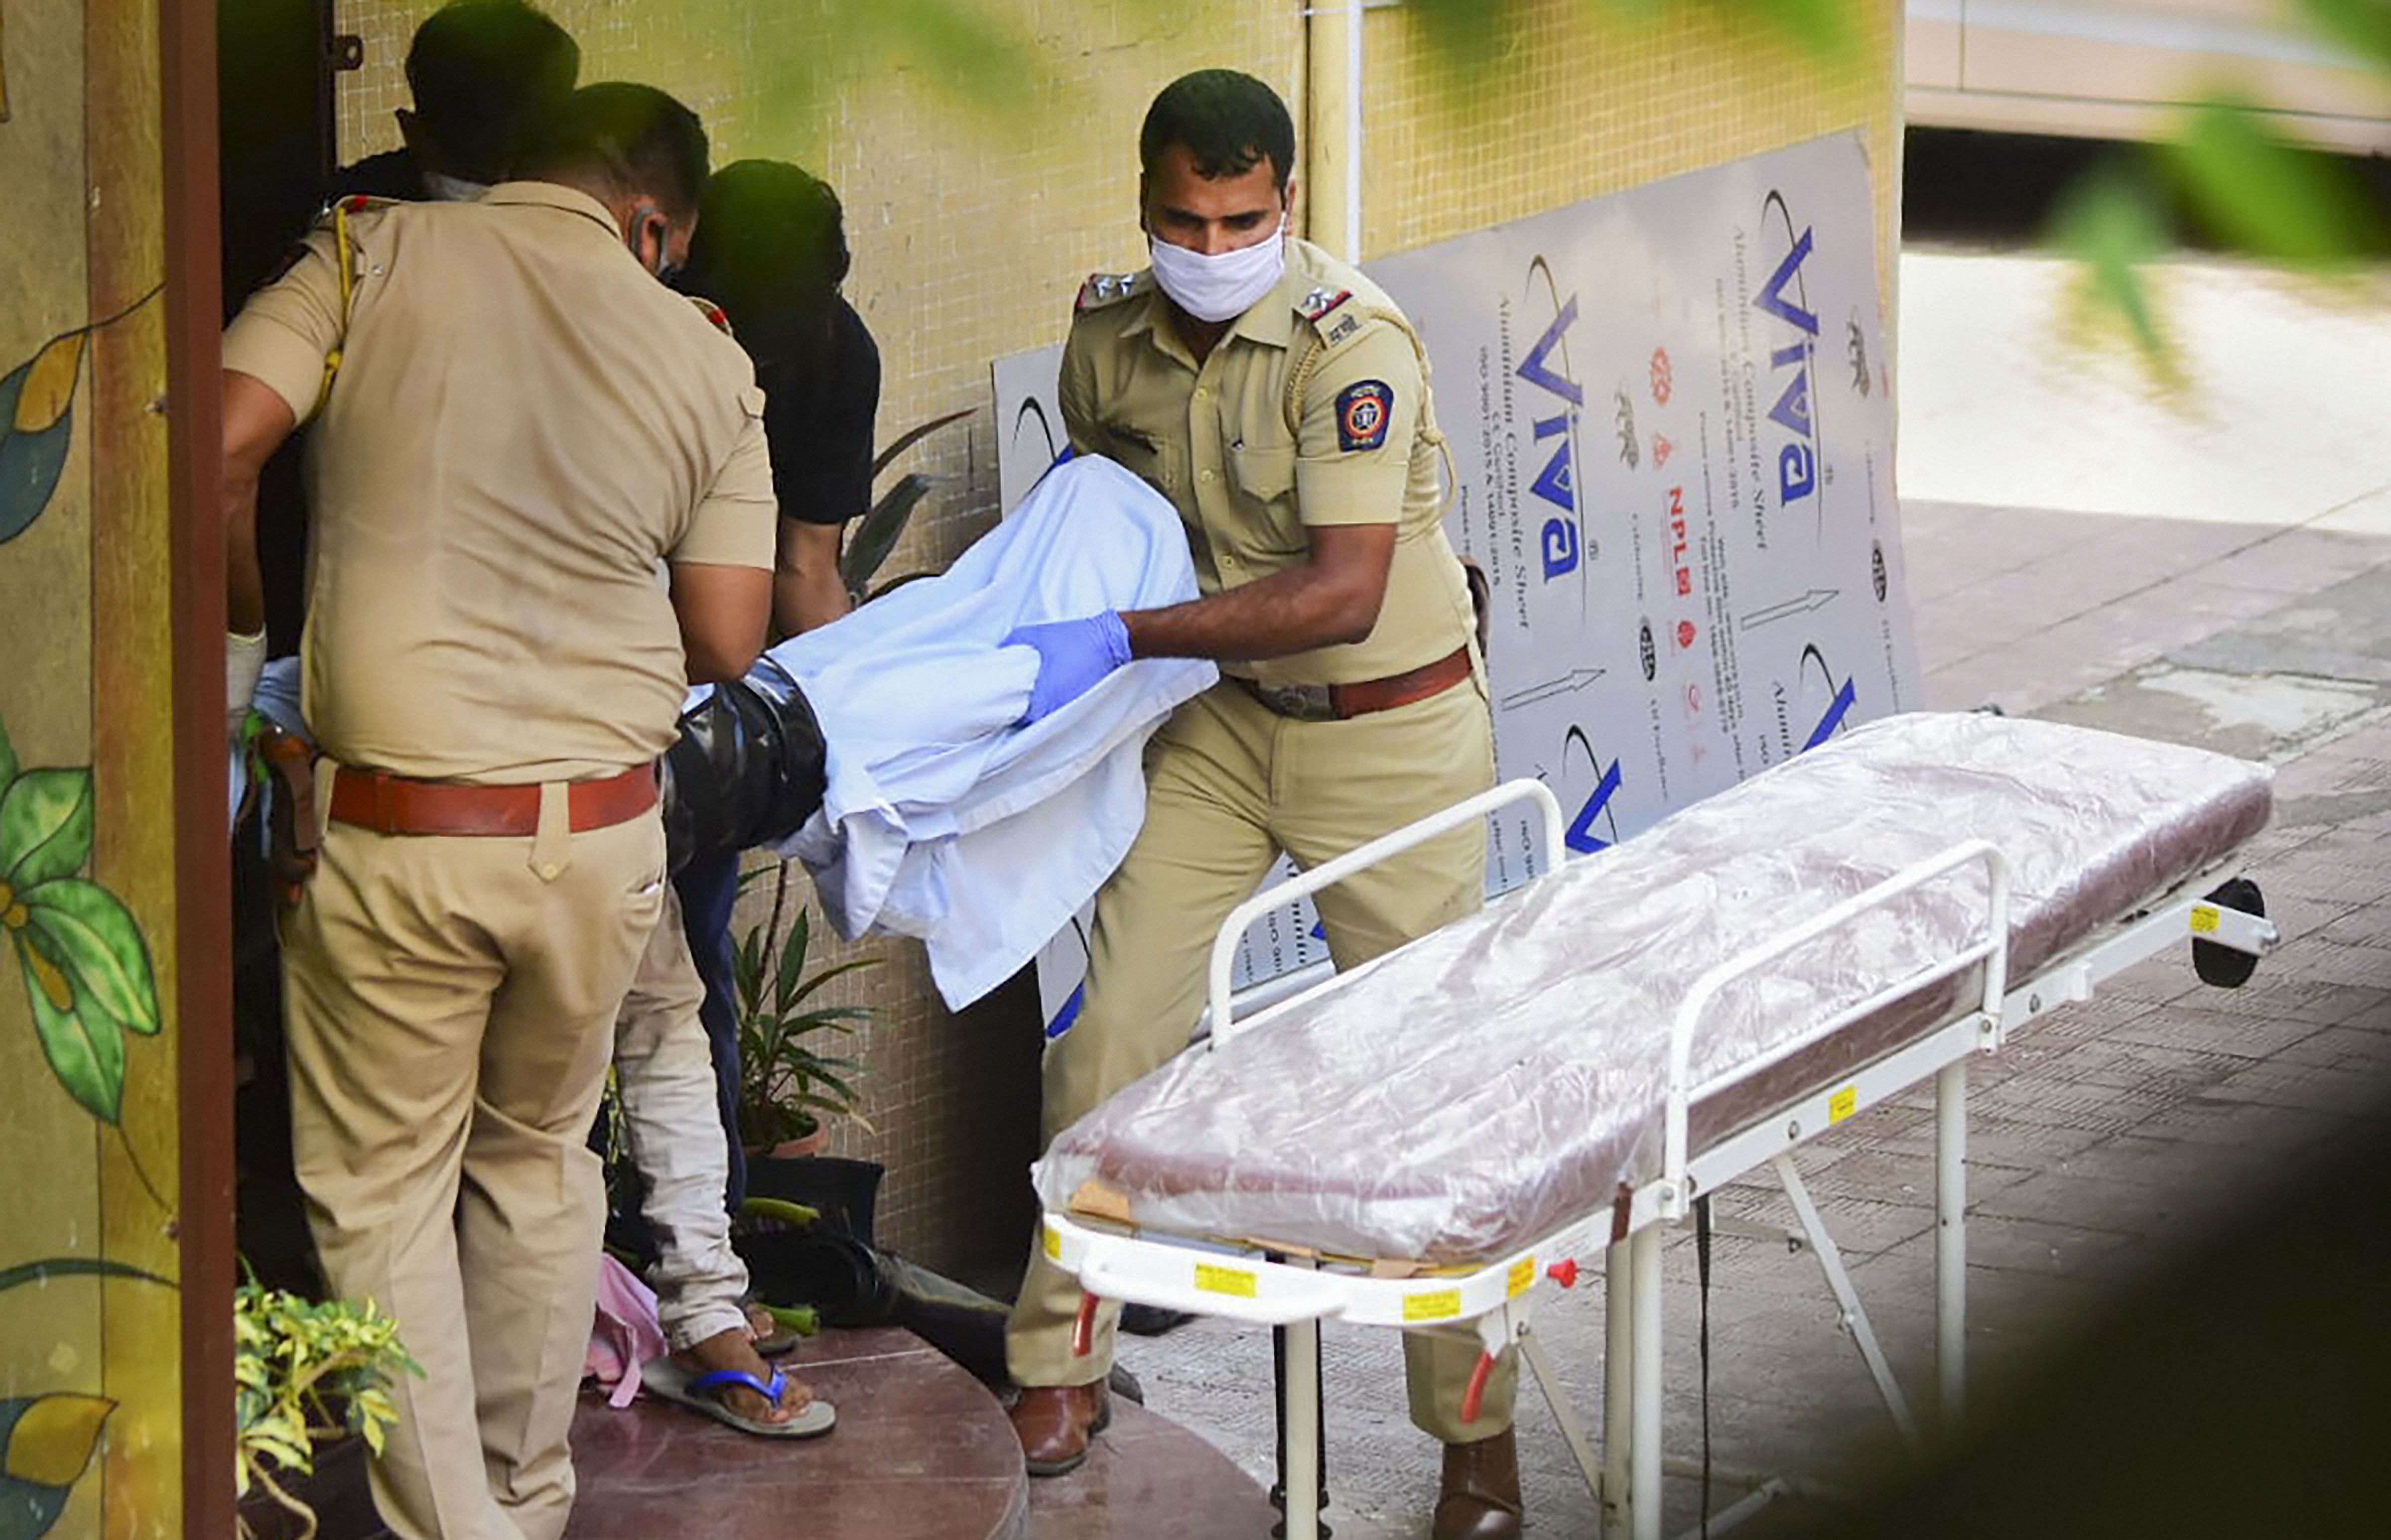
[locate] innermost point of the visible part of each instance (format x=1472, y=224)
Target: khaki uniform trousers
x=450, y=1013
x=1230, y=785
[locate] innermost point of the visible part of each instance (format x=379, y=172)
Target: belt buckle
x=1302, y=703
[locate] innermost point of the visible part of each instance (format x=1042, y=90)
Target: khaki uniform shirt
x=524, y=426
x=1313, y=409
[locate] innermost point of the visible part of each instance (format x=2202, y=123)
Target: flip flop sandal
x=771, y=1338
x=701, y=1392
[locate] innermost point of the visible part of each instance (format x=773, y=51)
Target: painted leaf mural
x=85, y=965
x=46, y=815
x=45, y=1444
x=36, y=429
x=37, y=422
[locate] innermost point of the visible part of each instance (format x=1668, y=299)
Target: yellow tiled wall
x=972, y=219
x=1588, y=100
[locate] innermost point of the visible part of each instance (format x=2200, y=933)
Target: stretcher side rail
x=1361, y=858
x=1673, y=1193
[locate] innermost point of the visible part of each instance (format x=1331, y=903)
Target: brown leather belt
x=1337, y=702
x=397, y=805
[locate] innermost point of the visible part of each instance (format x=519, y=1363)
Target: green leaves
x=2113, y=223
x=304, y=1371
x=85, y=966
x=2229, y=170
x=99, y=948
x=2361, y=26
x=878, y=531
x=85, y=1048
x=45, y=826
x=2260, y=192
x=784, y=1080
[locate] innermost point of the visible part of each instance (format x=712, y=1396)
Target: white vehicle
x=2115, y=68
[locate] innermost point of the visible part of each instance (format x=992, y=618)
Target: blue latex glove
x=1073, y=659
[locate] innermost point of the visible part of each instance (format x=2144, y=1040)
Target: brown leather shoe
x=1480, y=1496
x=1055, y=1424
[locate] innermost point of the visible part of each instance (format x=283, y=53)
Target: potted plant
x=788, y=1080
x=306, y=1375
x=877, y=532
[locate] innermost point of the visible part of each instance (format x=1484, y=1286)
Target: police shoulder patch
x=1104, y=289
x=1364, y=409
x=713, y=313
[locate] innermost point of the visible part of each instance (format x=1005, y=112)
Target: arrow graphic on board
x=1551, y=688
x=1814, y=599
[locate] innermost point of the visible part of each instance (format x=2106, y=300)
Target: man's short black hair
x=628, y=141
x=1229, y=122
x=481, y=73
x=771, y=249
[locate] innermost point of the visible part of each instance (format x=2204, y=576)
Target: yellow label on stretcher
x=1442, y=1305
x=1212, y=1278
x=2204, y=920
x=1843, y=1103
x=1053, y=1243
x=1523, y=1276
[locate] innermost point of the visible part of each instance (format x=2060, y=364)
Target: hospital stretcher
x=1444, y=1139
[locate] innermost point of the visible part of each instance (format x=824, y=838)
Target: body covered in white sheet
x=941, y=818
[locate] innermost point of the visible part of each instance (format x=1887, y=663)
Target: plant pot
x=846, y=1192
x=804, y=1147
x=337, y=1491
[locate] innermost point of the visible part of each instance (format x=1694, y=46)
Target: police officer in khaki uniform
x=526, y=433
x=1281, y=401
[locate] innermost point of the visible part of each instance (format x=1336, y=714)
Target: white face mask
x=1219, y=288
x=445, y=189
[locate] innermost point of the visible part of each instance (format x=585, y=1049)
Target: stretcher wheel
x=2222, y=965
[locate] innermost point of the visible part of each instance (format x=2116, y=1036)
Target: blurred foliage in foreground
x=993, y=60
x=2228, y=174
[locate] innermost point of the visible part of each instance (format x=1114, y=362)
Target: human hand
x=1073, y=658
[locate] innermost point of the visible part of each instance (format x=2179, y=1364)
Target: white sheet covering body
x=944, y=821
x=1491, y=1083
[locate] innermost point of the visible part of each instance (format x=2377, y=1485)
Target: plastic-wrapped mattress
x=1469, y=1093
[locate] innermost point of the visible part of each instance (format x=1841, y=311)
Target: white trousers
x=664, y=1071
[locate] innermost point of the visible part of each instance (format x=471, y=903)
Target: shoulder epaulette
x=1104, y=289
x=712, y=311
x=345, y=264
x=1330, y=316
x=1315, y=307
x=354, y=205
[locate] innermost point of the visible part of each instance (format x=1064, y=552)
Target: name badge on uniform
x=1363, y=411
